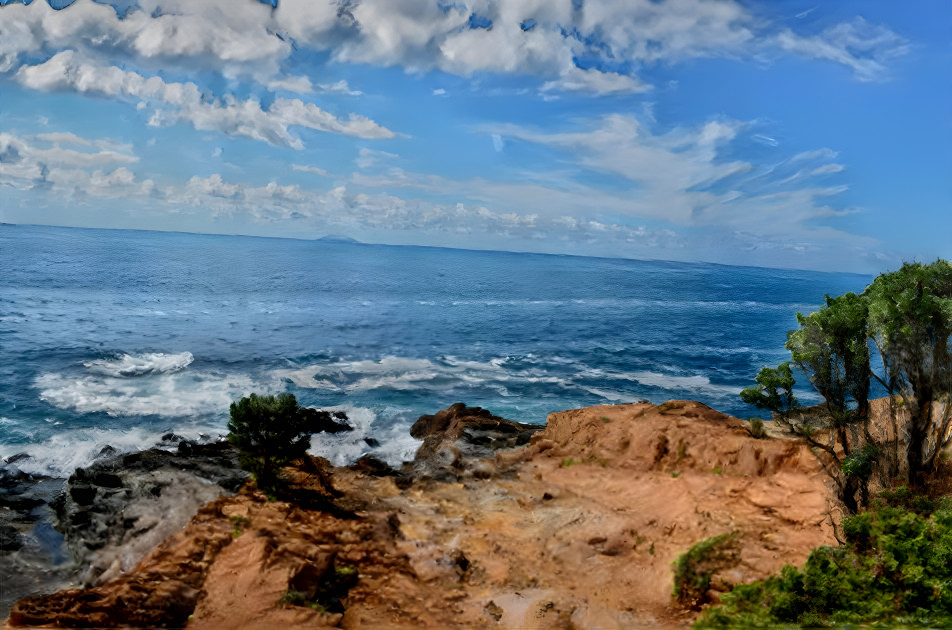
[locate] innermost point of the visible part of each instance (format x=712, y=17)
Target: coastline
x=579, y=525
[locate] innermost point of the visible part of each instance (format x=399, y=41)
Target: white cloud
x=26, y=165
x=367, y=158
x=859, y=45
x=440, y=92
x=68, y=70
x=597, y=47
x=498, y=143
x=310, y=169
x=303, y=85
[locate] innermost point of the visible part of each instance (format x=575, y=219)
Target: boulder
x=456, y=438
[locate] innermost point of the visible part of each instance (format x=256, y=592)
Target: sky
x=783, y=133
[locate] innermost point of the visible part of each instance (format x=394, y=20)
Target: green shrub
x=895, y=567
x=757, y=430
x=694, y=568
x=269, y=432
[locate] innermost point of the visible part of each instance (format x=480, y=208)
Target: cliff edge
x=577, y=528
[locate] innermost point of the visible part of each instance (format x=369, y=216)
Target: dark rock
x=82, y=493
x=370, y=465
x=371, y=442
x=118, y=508
x=9, y=538
x=106, y=479
x=107, y=451
x=320, y=421
x=19, y=457
x=458, y=435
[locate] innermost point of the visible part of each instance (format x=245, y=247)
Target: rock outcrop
x=578, y=528
x=119, y=508
x=458, y=441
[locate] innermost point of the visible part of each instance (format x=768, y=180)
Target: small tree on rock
x=269, y=432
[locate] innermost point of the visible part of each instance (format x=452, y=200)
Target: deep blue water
x=115, y=337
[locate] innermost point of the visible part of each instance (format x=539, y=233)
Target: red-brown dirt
x=578, y=529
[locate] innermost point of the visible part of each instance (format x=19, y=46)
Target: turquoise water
x=116, y=337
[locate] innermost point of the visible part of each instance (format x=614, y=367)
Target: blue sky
x=785, y=134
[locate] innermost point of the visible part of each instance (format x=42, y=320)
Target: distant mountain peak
x=338, y=238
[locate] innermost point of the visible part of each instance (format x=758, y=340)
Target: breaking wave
x=127, y=365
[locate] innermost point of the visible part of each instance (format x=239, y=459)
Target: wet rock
x=118, y=508
x=455, y=438
x=319, y=421
x=9, y=538
x=107, y=451
x=19, y=457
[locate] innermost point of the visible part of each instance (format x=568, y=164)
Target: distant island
x=338, y=238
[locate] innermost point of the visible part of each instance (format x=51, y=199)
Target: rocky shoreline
x=494, y=524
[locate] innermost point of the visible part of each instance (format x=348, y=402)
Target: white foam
x=406, y=374
x=695, y=383
x=396, y=444
x=141, y=364
x=62, y=453
x=163, y=394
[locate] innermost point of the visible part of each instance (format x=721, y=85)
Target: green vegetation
x=757, y=430
x=568, y=461
x=895, y=567
x=694, y=568
x=606, y=419
x=898, y=334
x=323, y=593
x=269, y=432
x=240, y=523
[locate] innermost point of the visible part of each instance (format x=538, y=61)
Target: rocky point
x=495, y=524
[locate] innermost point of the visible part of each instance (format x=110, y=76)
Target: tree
x=269, y=432
x=896, y=333
x=774, y=391
x=831, y=348
x=910, y=323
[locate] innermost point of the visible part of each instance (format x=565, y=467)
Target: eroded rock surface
x=119, y=508
x=576, y=529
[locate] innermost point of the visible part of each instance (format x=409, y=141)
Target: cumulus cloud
x=597, y=47
x=30, y=163
x=185, y=102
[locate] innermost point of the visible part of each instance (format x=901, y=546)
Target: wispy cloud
x=185, y=102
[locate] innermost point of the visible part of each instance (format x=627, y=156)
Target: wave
x=395, y=443
x=406, y=374
x=62, y=453
x=128, y=365
x=168, y=394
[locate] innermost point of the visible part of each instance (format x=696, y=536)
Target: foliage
x=694, y=568
x=898, y=332
x=269, y=432
x=895, y=567
x=831, y=348
x=757, y=430
x=774, y=390
x=910, y=323
x=327, y=593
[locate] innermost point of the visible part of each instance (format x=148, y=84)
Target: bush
x=269, y=432
x=895, y=567
x=694, y=568
x=757, y=428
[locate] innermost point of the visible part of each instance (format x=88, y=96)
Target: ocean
x=116, y=337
